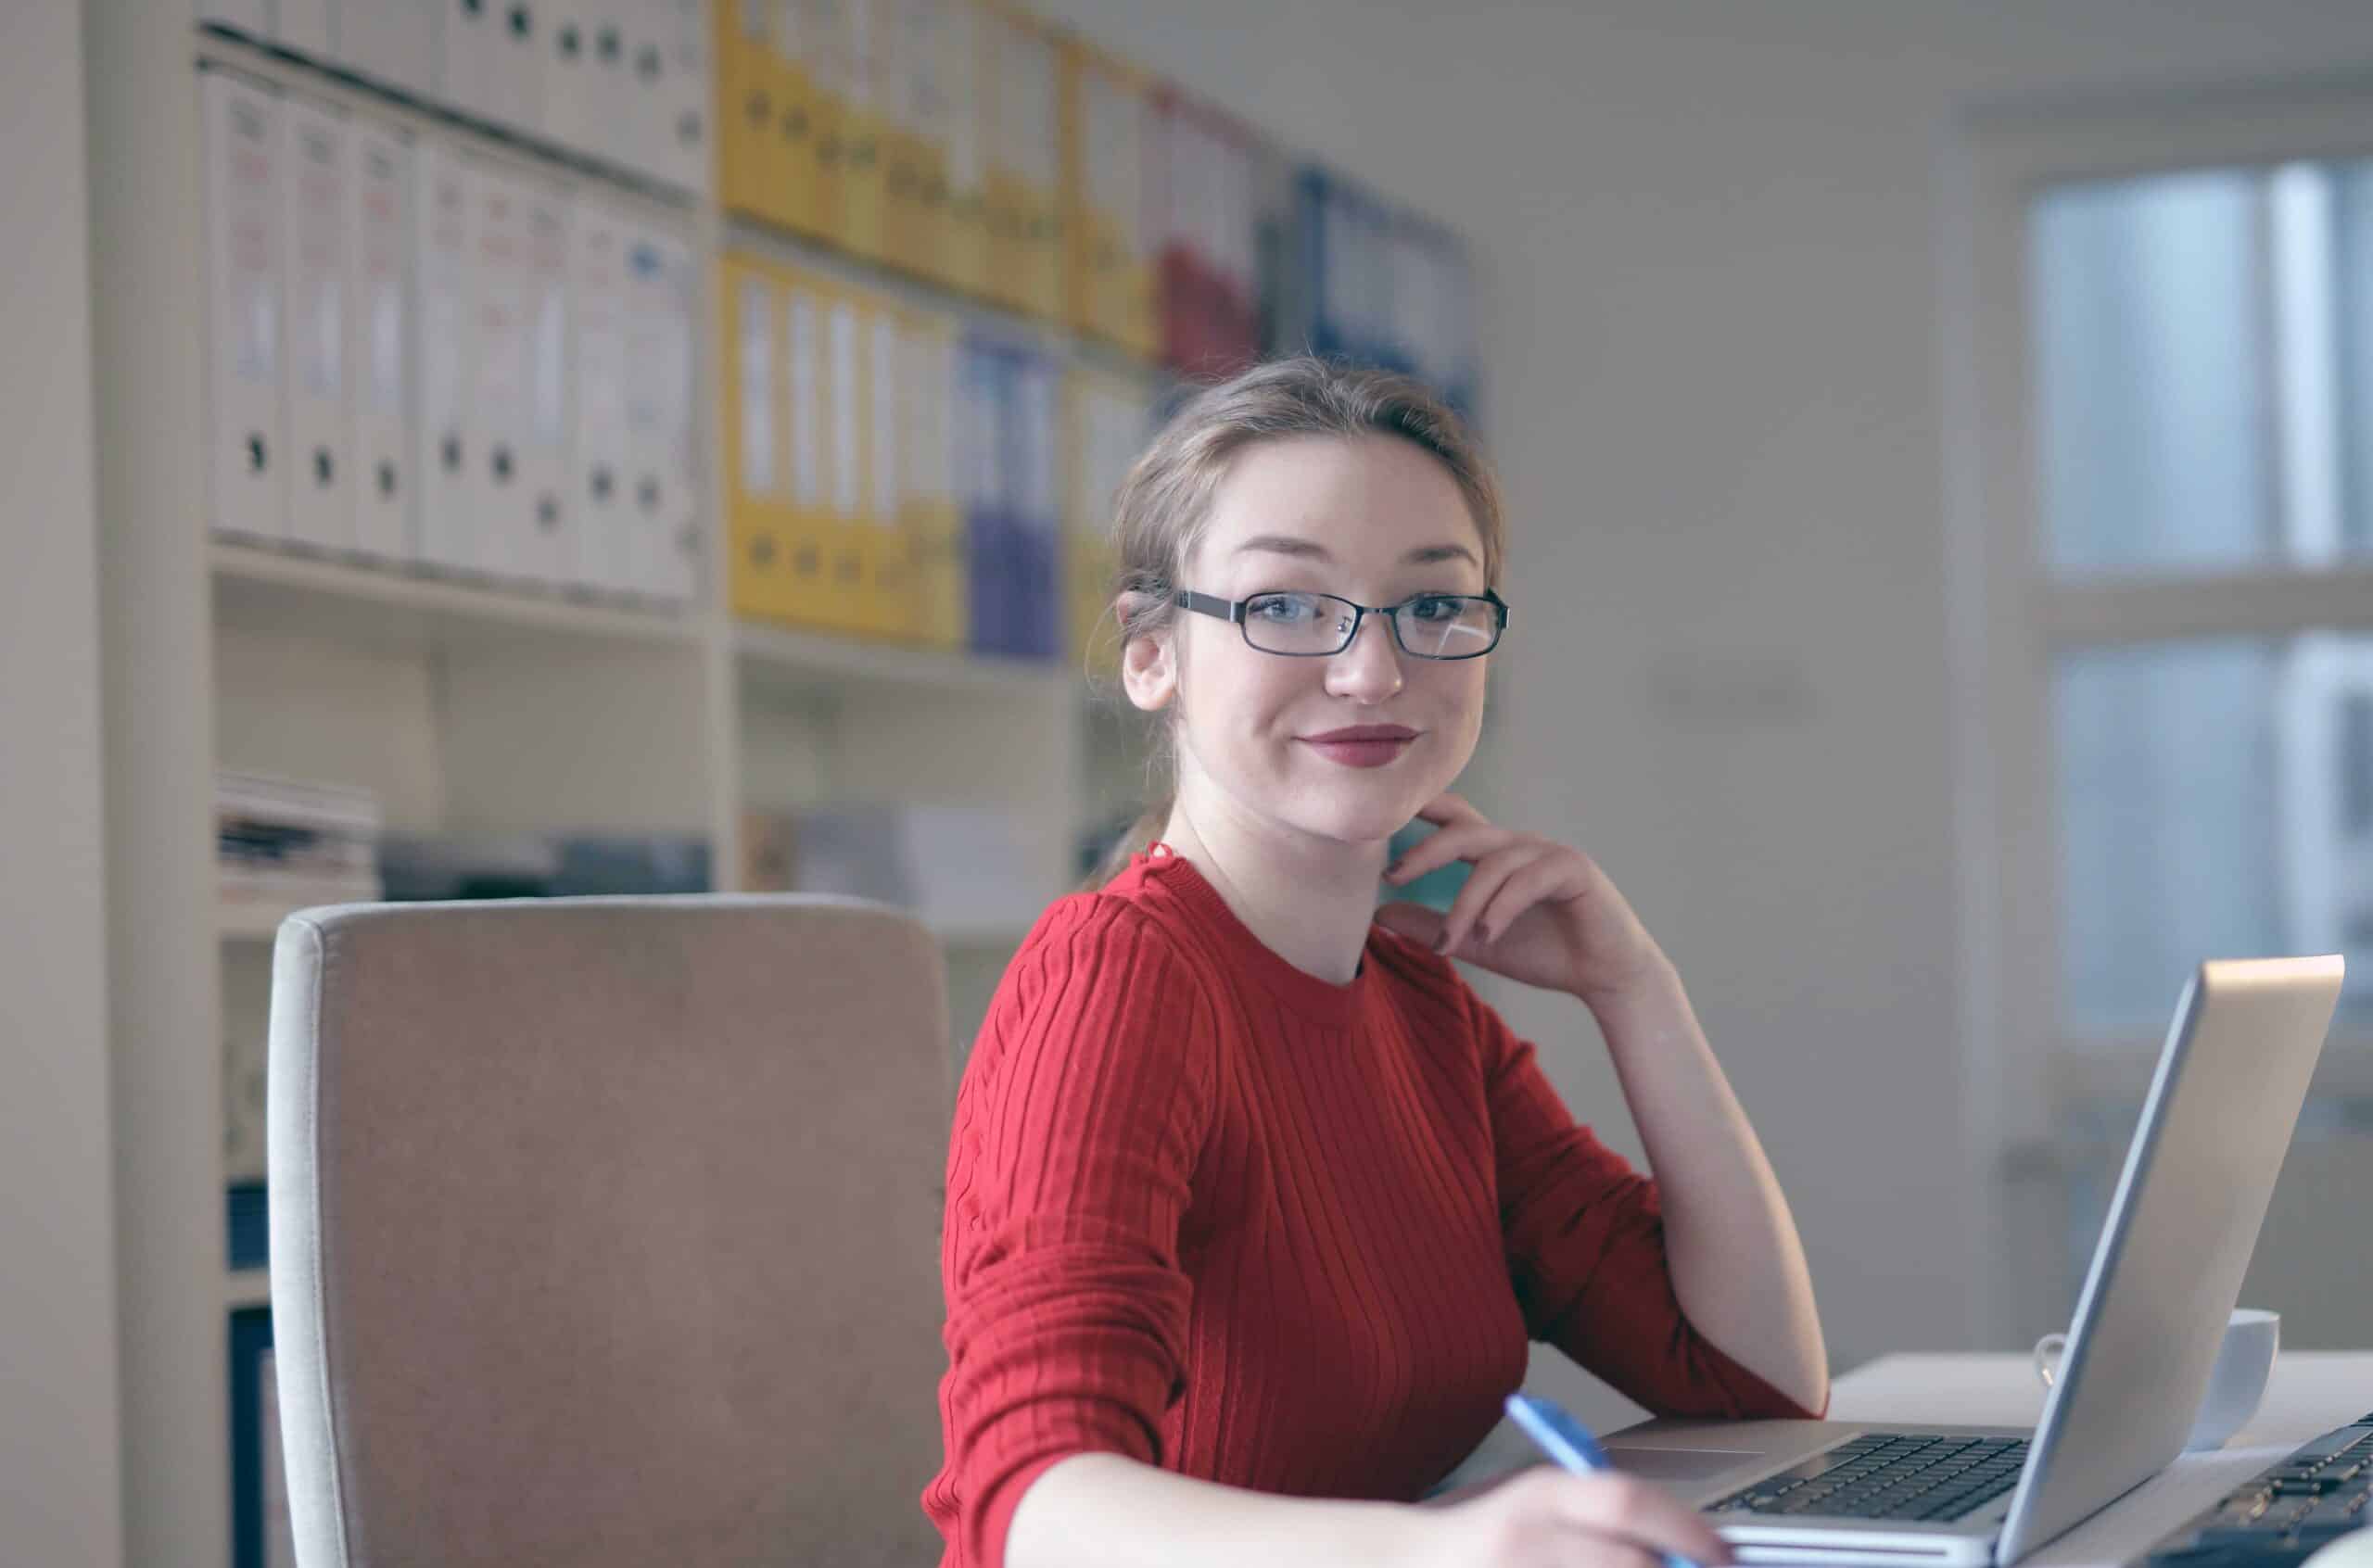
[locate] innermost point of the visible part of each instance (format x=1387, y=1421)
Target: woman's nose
x=1369, y=670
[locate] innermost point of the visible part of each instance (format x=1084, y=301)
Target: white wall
x=58, y=1468
x=1707, y=230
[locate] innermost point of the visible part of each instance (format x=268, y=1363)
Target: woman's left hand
x=1534, y=909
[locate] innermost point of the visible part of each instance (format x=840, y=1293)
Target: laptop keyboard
x=2281, y=1515
x=1911, y=1476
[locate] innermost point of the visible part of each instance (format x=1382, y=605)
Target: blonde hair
x=1163, y=507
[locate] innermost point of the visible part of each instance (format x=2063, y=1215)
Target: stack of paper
x=283, y=843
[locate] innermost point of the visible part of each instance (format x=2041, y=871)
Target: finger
x=1548, y=879
x=1616, y=1519
x=1463, y=840
x=1612, y=1551
x=1414, y=921
x=1638, y=1510
x=1616, y=1552
x=1449, y=807
x=1491, y=872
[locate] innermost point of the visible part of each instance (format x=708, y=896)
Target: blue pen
x=1570, y=1444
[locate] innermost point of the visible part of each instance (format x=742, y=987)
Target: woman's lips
x=1363, y=746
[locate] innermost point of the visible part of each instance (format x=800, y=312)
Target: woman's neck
x=1309, y=899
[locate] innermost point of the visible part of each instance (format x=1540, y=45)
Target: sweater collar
x=1322, y=1001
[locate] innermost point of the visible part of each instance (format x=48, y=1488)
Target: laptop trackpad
x=1679, y=1464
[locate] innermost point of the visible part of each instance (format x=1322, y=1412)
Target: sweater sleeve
x=1586, y=1250
x=1077, y=1130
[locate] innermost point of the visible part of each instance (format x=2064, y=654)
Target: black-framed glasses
x=1316, y=625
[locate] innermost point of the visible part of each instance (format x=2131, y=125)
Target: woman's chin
x=1361, y=822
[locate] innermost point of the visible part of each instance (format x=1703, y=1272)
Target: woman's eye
x=1443, y=609
x=1284, y=607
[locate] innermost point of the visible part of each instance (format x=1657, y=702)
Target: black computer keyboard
x=2279, y=1518
x=1901, y=1475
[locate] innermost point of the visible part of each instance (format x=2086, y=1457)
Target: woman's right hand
x=1549, y=1518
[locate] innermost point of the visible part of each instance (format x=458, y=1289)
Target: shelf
x=464, y=705
x=245, y=1287
x=259, y=588
x=259, y=921
x=783, y=659
x=386, y=104
x=1056, y=339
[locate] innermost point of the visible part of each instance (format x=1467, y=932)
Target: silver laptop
x=2165, y=1277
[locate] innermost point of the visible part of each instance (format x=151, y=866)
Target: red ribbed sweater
x=1210, y=1211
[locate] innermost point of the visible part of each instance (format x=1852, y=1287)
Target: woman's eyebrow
x=1290, y=544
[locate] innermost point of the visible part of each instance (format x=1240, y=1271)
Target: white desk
x=2312, y=1391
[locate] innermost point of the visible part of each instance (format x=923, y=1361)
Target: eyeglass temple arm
x=1206, y=604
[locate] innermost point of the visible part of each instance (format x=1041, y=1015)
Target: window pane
x=2149, y=356
x=2215, y=800
x=2203, y=359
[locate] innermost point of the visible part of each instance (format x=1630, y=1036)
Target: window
x=2204, y=394
x=2162, y=560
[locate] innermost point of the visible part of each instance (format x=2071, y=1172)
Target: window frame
x=2007, y=617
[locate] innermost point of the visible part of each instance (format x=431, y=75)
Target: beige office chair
x=605, y=1231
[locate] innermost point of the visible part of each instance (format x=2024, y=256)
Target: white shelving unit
x=464, y=706
x=267, y=588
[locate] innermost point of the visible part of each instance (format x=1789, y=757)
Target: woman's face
x=1375, y=519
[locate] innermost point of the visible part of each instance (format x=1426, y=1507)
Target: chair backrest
x=605, y=1231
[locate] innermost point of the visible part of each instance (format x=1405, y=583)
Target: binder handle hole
x=451, y=451
x=258, y=454
x=386, y=476
x=324, y=466
x=502, y=465
x=523, y=21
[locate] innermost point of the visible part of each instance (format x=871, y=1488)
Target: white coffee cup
x=2236, y=1383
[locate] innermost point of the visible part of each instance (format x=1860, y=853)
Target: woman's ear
x=1149, y=663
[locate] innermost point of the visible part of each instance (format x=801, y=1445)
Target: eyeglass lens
x=1430, y=626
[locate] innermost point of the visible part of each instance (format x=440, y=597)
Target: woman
x=1252, y=1204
